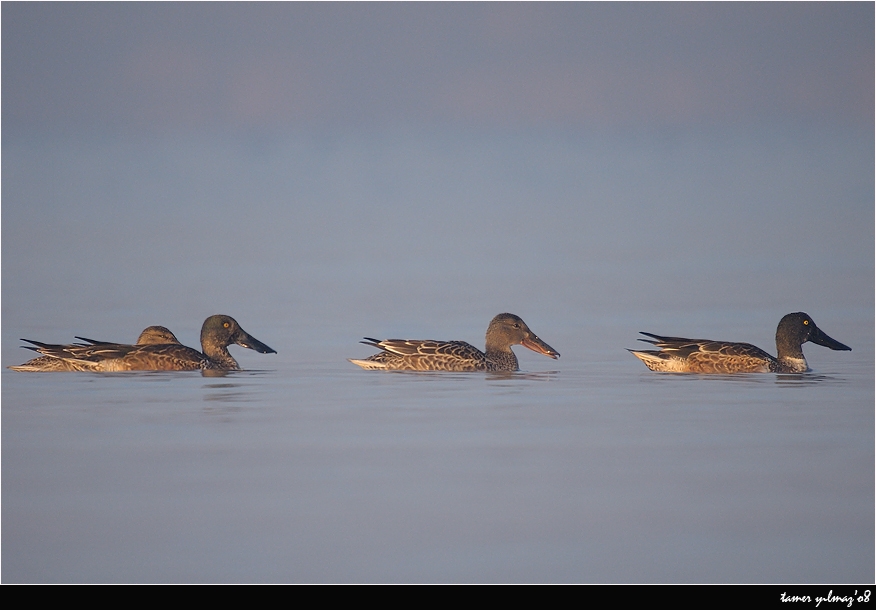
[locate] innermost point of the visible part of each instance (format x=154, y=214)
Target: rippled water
x=305, y=468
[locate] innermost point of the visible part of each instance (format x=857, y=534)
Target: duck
x=217, y=333
x=505, y=330
x=151, y=335
x=679, y=355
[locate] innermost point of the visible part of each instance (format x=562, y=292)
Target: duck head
x=224, y=330
x=506, y=330
x=795, y=329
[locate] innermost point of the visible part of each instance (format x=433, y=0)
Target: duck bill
x=819, y=337
x=537, y=345
x=244, y=339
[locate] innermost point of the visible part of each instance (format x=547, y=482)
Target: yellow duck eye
x=226, y=324
x=806, y=322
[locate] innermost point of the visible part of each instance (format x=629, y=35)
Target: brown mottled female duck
x=151, y=335
x=504, y=331
x=679, y=355
x=217, y=333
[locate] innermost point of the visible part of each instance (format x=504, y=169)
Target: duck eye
x=226, y=324
x=806, y=322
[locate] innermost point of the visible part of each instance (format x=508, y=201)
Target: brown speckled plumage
x=151, y=335
x=217, y=333
x=504, y=331
x=680, y=355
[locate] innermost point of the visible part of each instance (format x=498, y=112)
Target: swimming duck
x=680, y=355
x=504, y=331
x=217, y=333
x=151, y=335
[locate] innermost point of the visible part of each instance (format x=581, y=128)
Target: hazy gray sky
x=205, y=66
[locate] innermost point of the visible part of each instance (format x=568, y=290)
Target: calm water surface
x=589, y=468
x=305, y=468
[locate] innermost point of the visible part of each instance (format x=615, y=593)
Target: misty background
x=563, y=143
